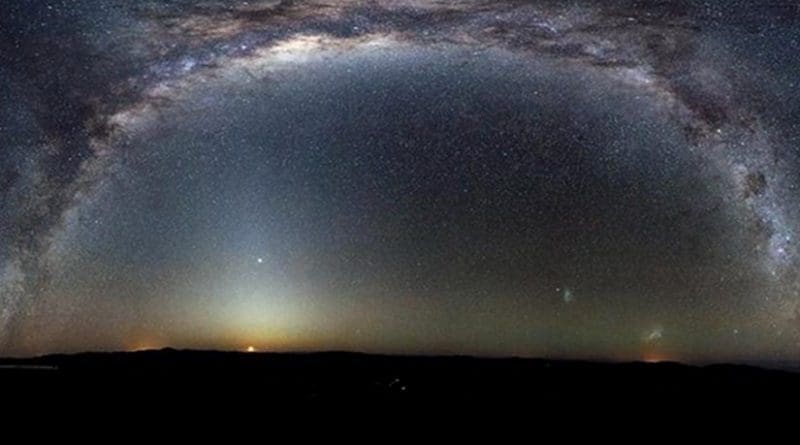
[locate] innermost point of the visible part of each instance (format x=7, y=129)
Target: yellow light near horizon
x=251, y=349
x=654, y=358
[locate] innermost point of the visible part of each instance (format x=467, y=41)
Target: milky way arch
x=118, y=83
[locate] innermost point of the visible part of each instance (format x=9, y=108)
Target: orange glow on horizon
x=654, y=358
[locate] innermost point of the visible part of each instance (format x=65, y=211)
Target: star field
x=611, y=180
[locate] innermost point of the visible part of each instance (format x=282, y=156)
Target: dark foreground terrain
x=196, y=376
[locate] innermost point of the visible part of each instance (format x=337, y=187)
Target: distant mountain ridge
x=347, y=377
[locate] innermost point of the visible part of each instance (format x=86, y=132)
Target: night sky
x=609, y=180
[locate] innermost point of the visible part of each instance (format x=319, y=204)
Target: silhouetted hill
x=341, y=377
